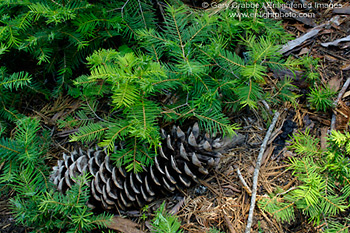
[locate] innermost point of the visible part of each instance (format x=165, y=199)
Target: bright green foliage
x=281, y=209
x=214, y=230
x=336, y=227
x=306, y=145
x=284, y=93
x=200, y=55
x=185, y=70
x=36, y=204
x=325, y=187
x=164, y=222
x=311, y=66
x=131, y=81
x=321, y=99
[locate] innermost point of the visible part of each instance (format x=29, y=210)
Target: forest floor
x=222, y=201
x=226, y=201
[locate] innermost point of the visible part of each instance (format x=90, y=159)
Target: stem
x=256, y=172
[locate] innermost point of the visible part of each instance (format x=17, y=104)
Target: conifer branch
x=142, y=15
x=78, y=137
x=165, y=80
x=198, y=32
x=230, y=61
x=10, y=112
x=179, y=35
x=10, y=149
x=284, y=208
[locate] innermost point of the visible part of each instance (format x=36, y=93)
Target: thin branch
x=57, y=3
x=335, y=103
x=232, y=62
x=245, y=185
x=143, y=17
x=333, y=121
x=193, y=36
x=266, y=105
x=122, y=9
x=290, y=189
x=8, y=148
x=256, y=172
x=180, y=37
x=342, y=91
x=228, y=223
x=216, y=63
x=93, y=112
x=144, y=116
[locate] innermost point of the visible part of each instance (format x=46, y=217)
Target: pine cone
x=183, y=157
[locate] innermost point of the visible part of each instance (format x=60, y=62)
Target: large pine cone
x=183, y=157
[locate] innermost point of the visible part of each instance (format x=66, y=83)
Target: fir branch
x=89, y=133
x=231, y=61
x=114, y=133
x=15, y=81
x=320, y=173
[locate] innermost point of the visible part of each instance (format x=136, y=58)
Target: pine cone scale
x=94, y=193
x=148, y=188
x=111, y=190
x=116, y=179
x=184, y=156
x=133, y=186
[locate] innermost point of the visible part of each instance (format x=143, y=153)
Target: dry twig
x=297, y=42
x=229, y=224
x=256, y=172
x=340, y=95
x=342, y=91
x=245, y=186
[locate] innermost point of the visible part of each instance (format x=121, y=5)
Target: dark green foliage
x=164, y=222
x=138, y=15
x=58, y=35
x=325, y=186
x=24, y=153
x=9, y=83
x=205, y=61
x=36, y=204
x=45, y=210
x=284, y=93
